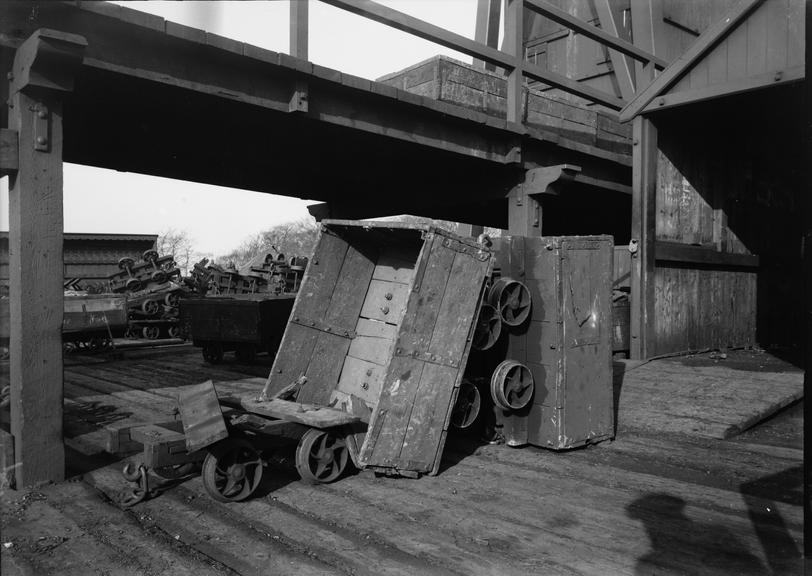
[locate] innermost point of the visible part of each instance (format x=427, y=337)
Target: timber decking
x=650, y=502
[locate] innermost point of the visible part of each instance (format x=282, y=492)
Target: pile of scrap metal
x=269, y=273
x=153, y=288
x=243, y=311
x=399, y=333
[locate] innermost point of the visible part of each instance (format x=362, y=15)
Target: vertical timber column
x=514, y=45
x=644, y=194
x=299, y=28
x=42, y=71
x=487, y=28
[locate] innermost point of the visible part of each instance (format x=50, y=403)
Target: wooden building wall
x=728, y=227
x=90, y=256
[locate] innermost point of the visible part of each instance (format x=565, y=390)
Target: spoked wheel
x=512, y=299
x=150, y=307
x=512, y=385
x=159, y=276
x=133, y=284
x=232, y=470
x=213, y=353
x=126, y=263
x=151, y=332
x=131, y=333
x=172, y=299
x=174, y=331
x=321, y=457
x=150, y=256
x=488, y=328
x=466, y=409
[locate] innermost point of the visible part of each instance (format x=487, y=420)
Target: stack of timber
x=449, y=80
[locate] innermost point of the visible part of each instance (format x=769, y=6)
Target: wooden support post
x=299, y=27
x=43, y=68
x=487, y=28
x=648, y=33
x=623, y=70
x=644, y=193
x=514, y=45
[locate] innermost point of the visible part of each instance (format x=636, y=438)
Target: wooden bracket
x=9, y=153
x=298, y=100
x=541, y=180
x=47, y=60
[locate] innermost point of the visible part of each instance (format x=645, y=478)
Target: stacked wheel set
x=506, y=306
x=153, y=288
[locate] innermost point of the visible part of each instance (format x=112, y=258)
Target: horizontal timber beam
x=740, y=86
x=687, y=254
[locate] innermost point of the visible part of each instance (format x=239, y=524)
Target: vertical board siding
x=699, y=309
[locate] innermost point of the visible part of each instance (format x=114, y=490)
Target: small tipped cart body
x=369, y=366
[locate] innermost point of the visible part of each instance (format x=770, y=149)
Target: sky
x=98, y=200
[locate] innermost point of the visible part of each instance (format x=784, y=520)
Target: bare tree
x=178, y=244
x=295, y=238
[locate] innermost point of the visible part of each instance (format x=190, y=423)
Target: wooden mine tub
x=370, y=363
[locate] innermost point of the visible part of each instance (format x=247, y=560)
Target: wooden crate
x=382, y=326
x=567, y=341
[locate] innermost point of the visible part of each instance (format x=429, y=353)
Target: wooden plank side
x=319, y=282
x=757, y=41
x=777, y=33
x=385, y=301
x=295, y=352
x=324, y=368
x=363, y=379
x=385, y=436
x=350, y=289
x=418, y=322
x=796, y=33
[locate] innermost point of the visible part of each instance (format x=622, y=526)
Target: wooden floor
x=648, y=503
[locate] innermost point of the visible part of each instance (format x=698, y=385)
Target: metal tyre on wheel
x=512, y=299
x=126, y=263
x=488, y=328
x=150, y=255
x=150, y=307
x=151, y=332
x=466, y=408
x=321, y=457
x=232, y=470
x=512, y=385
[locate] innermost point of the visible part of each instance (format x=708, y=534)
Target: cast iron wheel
x=232, y=470
x=150, y=307
x=466, y=408
x=133, y=284
x=321, y=457
x=159, y=276
x=131, y=333
x=246, y=354
x=126, y=263
x=172, y=299
x=175, y=332
x=512, y=299
x=512, y=385
x=213, y=353
x=151, y=332
x=488, y=328
x=150, y=256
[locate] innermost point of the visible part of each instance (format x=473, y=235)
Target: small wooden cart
x=369, y=366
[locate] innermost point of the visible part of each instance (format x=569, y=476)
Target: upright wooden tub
x=382, y=327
